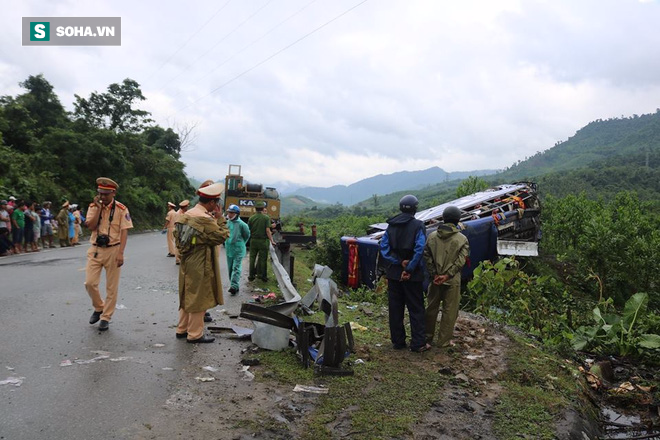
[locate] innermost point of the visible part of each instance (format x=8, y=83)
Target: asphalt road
x=44, y=312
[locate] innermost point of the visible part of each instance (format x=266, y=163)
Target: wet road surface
x=117, y=378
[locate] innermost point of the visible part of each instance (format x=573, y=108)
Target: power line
x=188, y=40
x=226, y=83
x=216, y=44
x=244, y=48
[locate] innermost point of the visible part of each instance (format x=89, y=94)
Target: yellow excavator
x=247, y=195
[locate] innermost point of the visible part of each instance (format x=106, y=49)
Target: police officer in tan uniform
x=169, y=227
x=198, y=234
x=109, y=221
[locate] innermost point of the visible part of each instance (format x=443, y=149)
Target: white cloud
x=389, y=86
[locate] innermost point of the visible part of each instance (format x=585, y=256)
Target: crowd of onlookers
x=27, y=226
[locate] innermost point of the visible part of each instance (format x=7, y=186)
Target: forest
x=47, y=153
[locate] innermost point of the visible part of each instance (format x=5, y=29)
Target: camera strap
x=112, y=215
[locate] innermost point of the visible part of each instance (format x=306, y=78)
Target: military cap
x=212, y=191
x=105, y=185
x=171, y=204
x=12, y=198
x=184, y=203
x=260, y=205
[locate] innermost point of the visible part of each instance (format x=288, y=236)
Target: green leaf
x=580, y=342
x=635, y=306
x=649, y=341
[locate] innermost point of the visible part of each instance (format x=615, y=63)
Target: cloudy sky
x=324, y=92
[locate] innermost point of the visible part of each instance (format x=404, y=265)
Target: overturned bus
x=502, y=220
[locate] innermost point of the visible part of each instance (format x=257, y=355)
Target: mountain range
x=383, y=184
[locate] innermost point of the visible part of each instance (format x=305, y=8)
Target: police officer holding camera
x=109, y=222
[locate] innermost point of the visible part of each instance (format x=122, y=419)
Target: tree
x=470, y=185
x=166, y=140
x=42, y=103
x=114, y=110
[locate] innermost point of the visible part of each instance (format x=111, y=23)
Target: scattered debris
x=122, y=358
x=66, y=363
x=262, y=298
x=15, y=381
x=90, y=361
x=624, y=388
x=310, y=389
x=101, y=352
x=248, y=376
x=9, y=368
x=120, y=307
x=167, y=369
x=358, y=361
x=473, y=357
x=211, y=369
x=205, y=379
x=356, y=326
x=354, y=307
x=159, y=345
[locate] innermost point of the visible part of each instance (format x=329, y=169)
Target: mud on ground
x=233, y=406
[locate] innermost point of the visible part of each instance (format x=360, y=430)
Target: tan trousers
x=450, y=297
x=170, y=241
x=106, y=258
x=191, y=323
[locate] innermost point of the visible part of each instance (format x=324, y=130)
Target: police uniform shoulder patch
x=120, y=205
x=127, y=217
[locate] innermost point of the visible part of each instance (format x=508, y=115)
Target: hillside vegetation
x=47, y=153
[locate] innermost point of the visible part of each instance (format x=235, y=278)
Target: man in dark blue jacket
x=402, y=247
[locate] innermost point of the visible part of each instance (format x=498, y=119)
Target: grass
x=393, y=390
x=385, y=396
x=538, y=386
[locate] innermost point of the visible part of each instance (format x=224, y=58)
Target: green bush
x=615, y=243
x=540, y=305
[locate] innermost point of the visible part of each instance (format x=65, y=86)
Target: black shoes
x=203, y=340
x=422, y=349
x=207, y=317
x=95, y=317
x=233, y=291
x=104, y=325
x=170, y=255
x=250, y=278
x=181, y=335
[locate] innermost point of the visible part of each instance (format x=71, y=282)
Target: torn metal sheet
x=234, y=330
x=273, y=323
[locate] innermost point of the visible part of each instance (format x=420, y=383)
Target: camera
x=102, y=240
